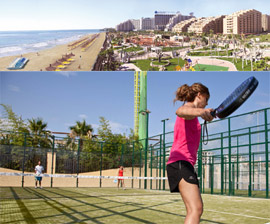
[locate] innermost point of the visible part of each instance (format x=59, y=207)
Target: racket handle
x=213, y=113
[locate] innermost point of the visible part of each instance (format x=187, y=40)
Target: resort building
x=204, y=25
x=183, y=26
x=176, y=19
x=243, y=22
x=265, y=23
x=129, y=25
x=162, y=19
x=147, y=24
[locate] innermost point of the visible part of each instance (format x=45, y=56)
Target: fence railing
x=234, y=162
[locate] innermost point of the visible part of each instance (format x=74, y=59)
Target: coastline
x=39, y=61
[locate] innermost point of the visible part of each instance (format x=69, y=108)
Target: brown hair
x=188, y=93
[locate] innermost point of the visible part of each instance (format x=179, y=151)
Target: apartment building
x=243, y=22
x=147, y=24
x=177, y=19
x=265, y=23
x=204, y=25
x=183, y=25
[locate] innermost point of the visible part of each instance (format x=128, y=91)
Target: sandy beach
x=39, y=61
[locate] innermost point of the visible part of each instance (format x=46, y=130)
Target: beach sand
x=83, y=61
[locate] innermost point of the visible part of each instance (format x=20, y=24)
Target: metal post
x=151, y=163
x=140, y=173
x=164, y=150
x=200, y=165
x=266, y=155
x=160, y=140
x=52, y=160
x=24, y=147
x=249, y=162
x=253, y=169
x=146, y=149
x=133, y=146
x=100, y=171
x=122, y=152
x=237, y=165
x=222, y=166
x=212, y=174
x=233, y=180
x=78, y=161
x=230, y=159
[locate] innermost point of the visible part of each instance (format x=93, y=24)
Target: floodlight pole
x=145, y=112
x=164, y=149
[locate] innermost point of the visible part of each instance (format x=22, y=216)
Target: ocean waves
x=18, y=43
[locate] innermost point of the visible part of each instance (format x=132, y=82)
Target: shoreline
x=39, y=61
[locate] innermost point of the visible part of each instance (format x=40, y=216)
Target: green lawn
x=144, y=65
x=109, y=205
x=238, y=64
x=202, y=67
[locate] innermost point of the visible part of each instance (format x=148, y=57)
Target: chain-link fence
x=234, y=162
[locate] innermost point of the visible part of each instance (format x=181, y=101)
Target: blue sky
x=61, y=98
x=92, y=14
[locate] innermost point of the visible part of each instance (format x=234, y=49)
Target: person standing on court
x=183, y=155
x=38, y=172
x=121, y=174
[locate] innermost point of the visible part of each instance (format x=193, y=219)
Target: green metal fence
x=234, y=162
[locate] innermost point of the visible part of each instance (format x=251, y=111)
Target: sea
x=21, y=42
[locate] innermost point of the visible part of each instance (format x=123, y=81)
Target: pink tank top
x=187, y=134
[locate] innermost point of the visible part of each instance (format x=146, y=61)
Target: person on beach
x=38, y=172
x=183, y=155
x=120, y=174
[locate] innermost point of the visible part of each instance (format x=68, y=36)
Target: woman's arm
x=189, y=113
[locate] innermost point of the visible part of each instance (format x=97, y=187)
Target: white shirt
x=39, y=170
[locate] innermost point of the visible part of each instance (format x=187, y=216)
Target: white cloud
x=83, y=116
x=13, y=88
x=118, y=128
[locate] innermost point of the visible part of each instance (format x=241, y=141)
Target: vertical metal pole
x=266, y=155
x=146, y=151
x=230, y=157
x=237, y=165
x=133, y=146
x=233, y=178
x=52, y=160
x=222, y=166
x=164, y=153
x=200, y=165
x=160, y=140
x=24, y=147
x=78, y=161
x=212, y=174
x=253, y=169
x=122, y=152
x=151, y=163
x=249, y=162
x=140, y=173
x=101, y=157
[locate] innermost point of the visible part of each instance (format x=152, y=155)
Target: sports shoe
x=36, y=187
x=40, y=187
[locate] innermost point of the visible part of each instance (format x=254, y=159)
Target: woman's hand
x=206, y=114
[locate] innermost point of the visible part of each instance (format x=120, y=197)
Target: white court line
x=229, y=213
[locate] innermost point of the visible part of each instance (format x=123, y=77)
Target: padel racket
x=237, y=98
x=233, y=101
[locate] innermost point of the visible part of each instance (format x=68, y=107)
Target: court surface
x=110, y=205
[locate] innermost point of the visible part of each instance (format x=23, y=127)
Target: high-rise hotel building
x=265, y=23
x=243, y=22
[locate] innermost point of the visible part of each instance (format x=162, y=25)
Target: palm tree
x=40, y=136
x=81, y=130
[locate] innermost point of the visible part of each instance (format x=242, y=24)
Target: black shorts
x=178, y=170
